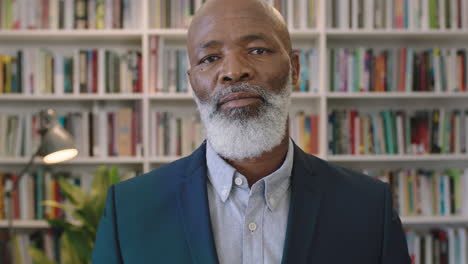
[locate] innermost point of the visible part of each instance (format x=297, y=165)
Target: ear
x=296, y=67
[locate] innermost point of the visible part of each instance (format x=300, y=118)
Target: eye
x=209, y=59
x=258, y=51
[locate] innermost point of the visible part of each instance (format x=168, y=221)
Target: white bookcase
x=321, y=38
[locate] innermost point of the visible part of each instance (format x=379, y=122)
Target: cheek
x=278, y=74
x=201, y=81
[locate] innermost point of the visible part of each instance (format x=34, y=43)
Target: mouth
x=240, y=99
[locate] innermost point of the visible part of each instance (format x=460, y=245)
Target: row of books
x=70, y=14
x=174, y=135
x=173, y=14
x=97, y=133
x=424, y=192
x=436, y=131
x=174, y=71
x=299, y=14
x=32, y=190
x=398, y=70
x=40, y=71
x=46, y=240
x=442, y=245
x=398, y=14
x=103, y=133
x=168, y=65
x=304, y=130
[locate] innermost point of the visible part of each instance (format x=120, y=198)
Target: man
x=248, y=194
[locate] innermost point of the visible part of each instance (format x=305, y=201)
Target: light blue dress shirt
x=249, y=224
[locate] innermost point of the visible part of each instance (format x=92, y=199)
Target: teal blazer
x=336, y=216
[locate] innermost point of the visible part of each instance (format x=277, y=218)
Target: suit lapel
x=303, y=210
x=194, y=210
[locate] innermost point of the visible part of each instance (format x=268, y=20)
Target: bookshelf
x=321, y=37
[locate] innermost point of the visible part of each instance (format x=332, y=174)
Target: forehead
x=231, y=28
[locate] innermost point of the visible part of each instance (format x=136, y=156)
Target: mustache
x=218, y=96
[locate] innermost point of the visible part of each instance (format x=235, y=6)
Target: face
x=226, y=49
x=241, y=73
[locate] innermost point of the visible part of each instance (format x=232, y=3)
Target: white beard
x=247, y=132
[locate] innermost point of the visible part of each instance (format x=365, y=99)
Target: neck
x=259, y=167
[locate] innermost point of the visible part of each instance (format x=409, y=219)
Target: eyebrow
x=209, y=44
x=246, y=38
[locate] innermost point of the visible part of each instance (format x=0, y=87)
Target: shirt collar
x=221, y=175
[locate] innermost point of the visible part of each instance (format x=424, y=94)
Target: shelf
x=70, y=97
x=81, y=161
x=396, y=95
x=304, y=33
x=396, y=34
x=172, y=33
x=182, y=33
x=434, y=220
x=109, y=160
x=396, y=158
x=306, y=95
x=28, y=224
x=171, y=96
x=25, y=224
x=89, y=34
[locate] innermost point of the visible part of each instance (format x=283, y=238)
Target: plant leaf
x=68, y=253
x=53, y=203
x=72, y=192
x=82, y=244
x=39, y=257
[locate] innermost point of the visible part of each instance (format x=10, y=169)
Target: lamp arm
x=14, y=186
x=10, y=186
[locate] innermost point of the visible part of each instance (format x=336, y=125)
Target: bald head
x=235, y=13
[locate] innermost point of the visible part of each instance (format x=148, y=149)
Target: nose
x=235, y=69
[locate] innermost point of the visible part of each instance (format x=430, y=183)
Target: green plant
x=77, y=238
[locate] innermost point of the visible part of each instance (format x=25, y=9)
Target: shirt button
x=238, y=181
x=252, y=227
